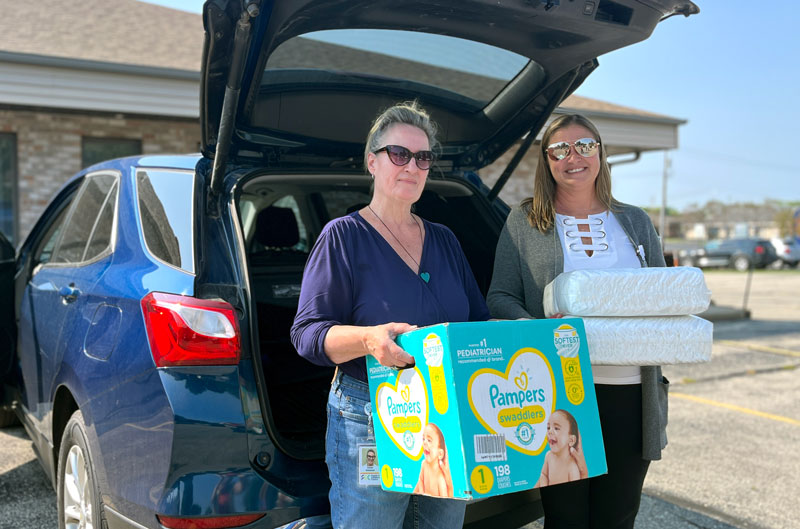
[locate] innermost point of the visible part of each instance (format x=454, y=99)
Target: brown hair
x=573, y=426
x=541, y=206
x=408, y=113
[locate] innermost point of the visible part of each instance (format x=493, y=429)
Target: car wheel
x=78, y=497
x=741, y=263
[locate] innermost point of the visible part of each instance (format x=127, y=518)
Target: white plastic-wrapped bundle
x=628, y=292
x=655, y=340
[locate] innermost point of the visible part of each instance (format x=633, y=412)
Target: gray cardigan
x=527, y=260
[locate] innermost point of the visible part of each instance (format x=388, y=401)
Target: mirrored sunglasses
x=401, y=156
x=586, y=147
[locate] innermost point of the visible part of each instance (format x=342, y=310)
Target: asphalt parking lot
x=734, y=425
x=733, y=459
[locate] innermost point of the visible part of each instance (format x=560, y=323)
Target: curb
x=721, y=313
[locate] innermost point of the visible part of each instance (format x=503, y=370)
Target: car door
x=54, y=294
x=7, y=265
x=717, y=253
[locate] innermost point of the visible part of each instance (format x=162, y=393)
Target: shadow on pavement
x=749, y=329
x=28, y=500
x=656, y=513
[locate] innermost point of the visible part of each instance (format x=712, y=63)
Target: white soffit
x=83, y=85
x=624, y=132
x=638, y=134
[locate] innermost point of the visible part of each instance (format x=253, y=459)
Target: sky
x=730, y=72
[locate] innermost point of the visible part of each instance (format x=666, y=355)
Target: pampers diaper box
x=489, y=408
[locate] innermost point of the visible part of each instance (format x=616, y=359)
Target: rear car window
x=166, y=201
x=470, y=69
x=341, y=202
x=88, y=232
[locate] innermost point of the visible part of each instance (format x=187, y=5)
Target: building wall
x=520, y=185
x=49, y=148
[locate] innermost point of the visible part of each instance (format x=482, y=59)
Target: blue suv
x=145, y=345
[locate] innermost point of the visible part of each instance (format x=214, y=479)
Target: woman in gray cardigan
x=571, y=223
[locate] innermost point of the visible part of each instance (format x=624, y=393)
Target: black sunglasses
x=401, y=156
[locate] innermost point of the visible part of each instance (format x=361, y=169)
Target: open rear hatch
x=296, y=84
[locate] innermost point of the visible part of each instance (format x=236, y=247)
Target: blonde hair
x=542, y=210
x=407, y=113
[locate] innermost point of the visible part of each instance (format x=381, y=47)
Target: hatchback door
x=296, y=84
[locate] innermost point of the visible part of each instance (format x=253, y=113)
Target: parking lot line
x=759, y=347
x=733, y=407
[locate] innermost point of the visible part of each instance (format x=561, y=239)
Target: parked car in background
x=740, y=254
x=788, y=252
x=150, y=359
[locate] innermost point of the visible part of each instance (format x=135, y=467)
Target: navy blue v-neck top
x=354, y=277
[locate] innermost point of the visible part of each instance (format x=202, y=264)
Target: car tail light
x=213, y=522
x=759, y=249
x=186, y=331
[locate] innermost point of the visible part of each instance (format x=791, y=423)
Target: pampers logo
x=403, y=410
x=480, y=349
x=517, y=402
x=520, y=397
x=405, y=407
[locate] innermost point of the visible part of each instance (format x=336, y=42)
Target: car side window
x=44, y=251
x=166, y=200
x=100, y=238
x=87, y=234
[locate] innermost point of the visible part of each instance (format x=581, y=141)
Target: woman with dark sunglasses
x=573, y=222
x=376, y=273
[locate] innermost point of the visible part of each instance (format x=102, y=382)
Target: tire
x=79, y=504
x=741, y=263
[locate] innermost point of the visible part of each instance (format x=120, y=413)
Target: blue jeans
x=355, y=506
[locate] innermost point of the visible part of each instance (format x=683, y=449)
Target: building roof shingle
x=115, y=31
x=130, y=32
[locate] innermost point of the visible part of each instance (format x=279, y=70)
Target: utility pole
x=662, y=216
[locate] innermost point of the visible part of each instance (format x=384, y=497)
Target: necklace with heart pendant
x=425, y=276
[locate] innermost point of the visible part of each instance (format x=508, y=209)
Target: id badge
x=368, y=469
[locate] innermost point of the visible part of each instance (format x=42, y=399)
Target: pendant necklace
x=424, y=275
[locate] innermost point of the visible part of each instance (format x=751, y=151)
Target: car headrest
x=277, y=228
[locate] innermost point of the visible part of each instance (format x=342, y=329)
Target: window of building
x=95, y=150
x=8, y=186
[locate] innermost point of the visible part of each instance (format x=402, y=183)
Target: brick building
x=99, y=79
